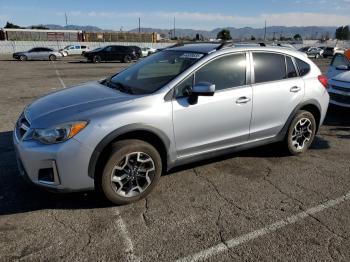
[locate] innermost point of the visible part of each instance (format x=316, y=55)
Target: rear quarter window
x=303, y=67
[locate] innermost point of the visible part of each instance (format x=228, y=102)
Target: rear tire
x=131, y=172
x=301, y=133
x=52, y=58
x=127, y=59
x=23, y=58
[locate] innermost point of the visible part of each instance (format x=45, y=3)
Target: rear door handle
x=295, y=89
x=243, y=100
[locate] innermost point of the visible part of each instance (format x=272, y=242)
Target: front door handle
x=243, y=100
x=295, y=89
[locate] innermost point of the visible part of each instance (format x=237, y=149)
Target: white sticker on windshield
x=192, y=55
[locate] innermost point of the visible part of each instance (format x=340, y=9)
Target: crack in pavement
x=269, y=171
x=144, y=214
x=229, y=201
x=265, y=178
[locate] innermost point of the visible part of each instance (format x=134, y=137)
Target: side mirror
x=203, y=89
x=342, y=67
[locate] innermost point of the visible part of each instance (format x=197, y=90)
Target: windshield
x=152, y=73
x=66, y=47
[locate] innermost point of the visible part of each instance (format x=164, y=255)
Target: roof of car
x=196, y=47
x=208, y=48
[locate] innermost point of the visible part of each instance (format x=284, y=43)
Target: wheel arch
x=311, y=105
x=146, y=133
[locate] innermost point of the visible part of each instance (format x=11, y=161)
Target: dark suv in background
x=112, y=53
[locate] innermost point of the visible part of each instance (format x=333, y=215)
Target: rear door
x=277, y=90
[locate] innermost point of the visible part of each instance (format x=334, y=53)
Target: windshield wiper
x=119, y=86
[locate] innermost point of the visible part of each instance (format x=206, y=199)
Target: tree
x=252, y=38
x=39, y=27
x=224, y=35
x=11, y=25
x=342, y=33
x=297, y=37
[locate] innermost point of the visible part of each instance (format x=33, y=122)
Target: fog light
x=46, y=175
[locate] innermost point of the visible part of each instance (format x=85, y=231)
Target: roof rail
x=225, y=44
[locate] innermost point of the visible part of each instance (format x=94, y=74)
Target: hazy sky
x=195, y=14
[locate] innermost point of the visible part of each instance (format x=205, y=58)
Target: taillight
x=323, y=80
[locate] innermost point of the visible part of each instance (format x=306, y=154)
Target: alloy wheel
x=302, y=133
x=133, y=174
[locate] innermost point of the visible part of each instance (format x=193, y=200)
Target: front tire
x=132, y=171
x=301, y=132
x=96, y=59
x=52, y=58
x=23, y=58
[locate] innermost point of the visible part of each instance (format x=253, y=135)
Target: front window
x=152, y=73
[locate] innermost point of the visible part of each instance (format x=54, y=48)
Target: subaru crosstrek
x=180, y=105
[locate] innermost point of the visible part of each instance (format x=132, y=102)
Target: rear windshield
x=152, y=73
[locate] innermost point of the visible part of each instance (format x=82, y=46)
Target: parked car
x=331, y=51
x=177, y=106
x=312, y=51
x=74, y=50
x=146, y=51
x=339, y=83
x=37, y=53
x=112, y=53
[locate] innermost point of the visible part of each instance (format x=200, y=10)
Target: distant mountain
x=74, y=27
x=306, y=32
x=247, y=32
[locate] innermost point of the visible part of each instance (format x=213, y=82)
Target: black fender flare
x=313, y=102
x=119, y=132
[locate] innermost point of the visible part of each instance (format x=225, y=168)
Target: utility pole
x=65, y=16
x=139, y=25
x=174, y=28
x=265, y=32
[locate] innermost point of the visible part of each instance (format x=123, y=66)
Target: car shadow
x=17, y=196
x=337, y=116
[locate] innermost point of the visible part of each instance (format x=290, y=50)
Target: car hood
x=73, y=104
x=343, y=77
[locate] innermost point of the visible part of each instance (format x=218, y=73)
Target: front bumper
x=68, y=161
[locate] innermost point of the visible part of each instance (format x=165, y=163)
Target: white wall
x=9, y=47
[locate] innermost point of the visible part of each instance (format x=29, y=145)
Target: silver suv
x=180, y=105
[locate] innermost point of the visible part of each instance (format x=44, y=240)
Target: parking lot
x=256, y=205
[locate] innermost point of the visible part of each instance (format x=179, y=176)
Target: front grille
x=344, y=89
x=22, y=126
x=340, y=98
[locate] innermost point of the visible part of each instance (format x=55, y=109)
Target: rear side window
x=269, y=67
x=291, y=70
x=225, y=72
x=304, y=68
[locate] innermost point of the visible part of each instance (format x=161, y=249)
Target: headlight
x=59, y=133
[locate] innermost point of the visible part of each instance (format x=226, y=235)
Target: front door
x=218, y=121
